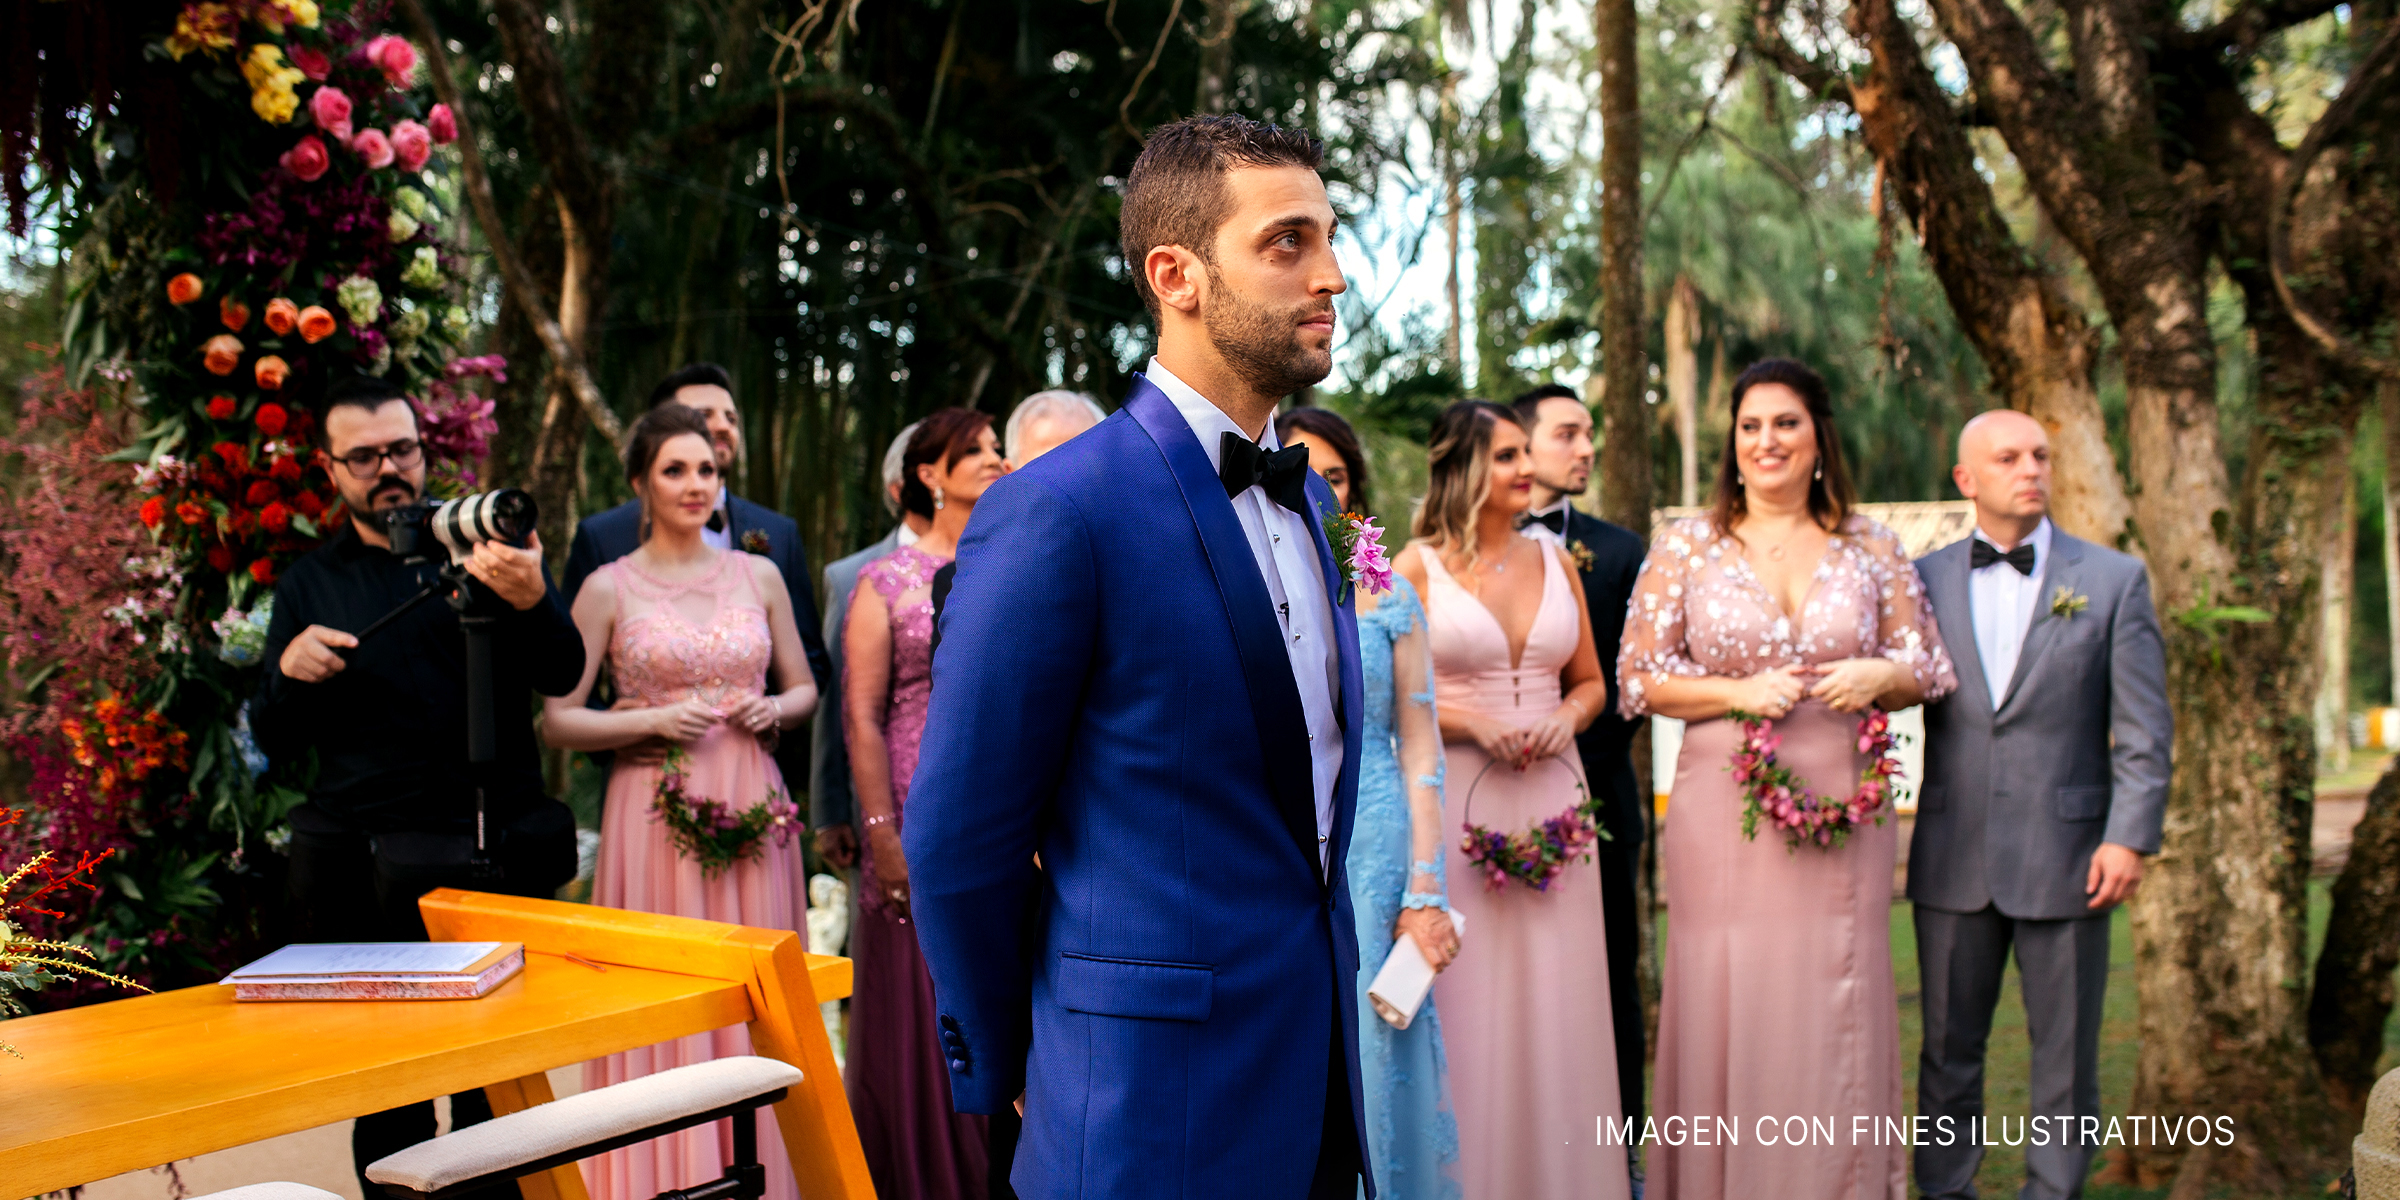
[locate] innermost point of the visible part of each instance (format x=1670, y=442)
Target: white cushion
x=578, y=1121
x=271, y=1191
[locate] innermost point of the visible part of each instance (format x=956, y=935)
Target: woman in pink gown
x=1779, y=1000
x=1533, y=1061
x=691, y=635
x=898, y=1080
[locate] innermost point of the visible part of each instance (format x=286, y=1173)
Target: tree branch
x=2245, y=27
x=1767, y=41
x=2373, y=77
x=515, y=276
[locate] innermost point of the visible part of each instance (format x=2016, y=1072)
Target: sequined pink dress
x=1779, y=999
x=898, y=1082
x=706, y=638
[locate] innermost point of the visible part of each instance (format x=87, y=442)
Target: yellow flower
x=207, y=27
x=275, y=14
x=271, y=80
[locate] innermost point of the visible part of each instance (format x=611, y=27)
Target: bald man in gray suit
x=2045, y=785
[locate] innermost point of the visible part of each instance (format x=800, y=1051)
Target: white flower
x=402, y=226
x=361, y=298
x=424, y=271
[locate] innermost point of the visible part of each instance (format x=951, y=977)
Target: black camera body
x=505, y=515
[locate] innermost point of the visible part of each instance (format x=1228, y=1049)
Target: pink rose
x=330, y=109
x=443, y=123
x=312, y=62
x=371, y=145
x=307, y=159
x=412, y=144
x=396, y=57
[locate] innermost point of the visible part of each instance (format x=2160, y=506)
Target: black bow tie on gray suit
x=1981, y=554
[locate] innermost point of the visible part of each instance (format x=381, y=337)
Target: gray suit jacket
x=2015, y=801
x=830, y=800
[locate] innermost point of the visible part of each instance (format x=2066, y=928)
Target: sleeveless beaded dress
x=706, y=638
x=896, y=1075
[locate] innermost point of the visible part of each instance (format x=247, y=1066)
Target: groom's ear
x=1176, y=277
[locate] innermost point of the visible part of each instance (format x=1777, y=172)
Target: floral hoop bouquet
x=711, y=832
x=1773, y=792
x=1535, y=854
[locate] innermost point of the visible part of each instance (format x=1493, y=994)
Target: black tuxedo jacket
x=1616, y=559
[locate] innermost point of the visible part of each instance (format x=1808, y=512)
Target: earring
x=1820, y=473
x=937, y=501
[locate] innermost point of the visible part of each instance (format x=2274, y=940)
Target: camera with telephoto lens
x=503, y=515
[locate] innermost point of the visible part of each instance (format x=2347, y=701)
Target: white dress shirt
x=1286, y=551
x=2000, y=602
x=1542, y=532
x=721, y=539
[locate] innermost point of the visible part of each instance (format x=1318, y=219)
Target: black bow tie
x=716, y=521
x=1555, y=522
x=1983, y=554
x=1242, y=465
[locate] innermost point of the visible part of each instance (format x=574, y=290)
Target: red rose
x=443, y=124
x=261, y=491
x=271, y=419
x=412, y=144
x=244, y=523
x=286, y=468
x=307, y=159
x=154, y=511
x=275, y=518
x=233, y=312
x=396, y=57
x=309, y=504
x=311, y=62
x=221, y=408
x=374, y=146
x=191, y=513
x=263, y=570
x=220, y=559
x=235, y=454
x=184, y=288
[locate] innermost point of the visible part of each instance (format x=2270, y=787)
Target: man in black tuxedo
x=738, y=524
x=1608, y=557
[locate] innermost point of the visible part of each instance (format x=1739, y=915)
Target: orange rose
x=272, y=371
x=316, y=324
x=233, y=312
x=282, y=315
x=221, y=354
x=184, y=288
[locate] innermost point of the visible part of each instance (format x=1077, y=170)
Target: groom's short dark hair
x=1176, y=195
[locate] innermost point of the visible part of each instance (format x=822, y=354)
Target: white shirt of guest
x=720, y=539
x=1540, y=532
x=2000, y=602
x=1286, y=550
x=904, y=536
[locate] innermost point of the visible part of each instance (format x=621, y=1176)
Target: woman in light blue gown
x=1395, y=862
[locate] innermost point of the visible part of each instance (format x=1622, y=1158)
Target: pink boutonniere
x=754, y=541
x=1358, y=547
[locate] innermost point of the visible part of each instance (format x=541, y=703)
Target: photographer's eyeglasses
x=367, y=463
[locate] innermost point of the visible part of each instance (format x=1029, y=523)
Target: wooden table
x=130, y=1084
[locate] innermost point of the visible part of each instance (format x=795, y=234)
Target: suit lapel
x=1956, y=581
x=1258, y=641
x=2065, y=554
x=1351, y=695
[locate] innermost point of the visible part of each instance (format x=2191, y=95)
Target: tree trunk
x=1625, y=493
x=2388, y=401
x=1683, y=383
x=2352, y=997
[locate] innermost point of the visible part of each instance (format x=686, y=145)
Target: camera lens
x=506, y=514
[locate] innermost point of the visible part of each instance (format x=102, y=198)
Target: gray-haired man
x=1044, y=421
x=831, y=804
x=2045, y=784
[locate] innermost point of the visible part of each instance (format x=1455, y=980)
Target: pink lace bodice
x=1699, y=609
x=904, y=579
x=705, y=637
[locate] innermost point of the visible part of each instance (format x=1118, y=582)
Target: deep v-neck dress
x=705, y=638
x=1779, y=1001
x=1533, y=1061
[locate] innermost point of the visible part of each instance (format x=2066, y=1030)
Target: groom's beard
x=1262, y=343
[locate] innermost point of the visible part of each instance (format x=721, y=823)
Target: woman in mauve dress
x=1779, y=1000
x=691, y=635
x=1532, y=1056
x=899, y=1083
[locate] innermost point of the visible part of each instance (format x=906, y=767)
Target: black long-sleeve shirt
x=390, y=730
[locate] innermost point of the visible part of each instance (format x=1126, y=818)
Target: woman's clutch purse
x=1399, y=988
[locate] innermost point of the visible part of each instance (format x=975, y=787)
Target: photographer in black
x=393, y=813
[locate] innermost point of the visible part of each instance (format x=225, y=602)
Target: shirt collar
x=903, y=536
x=1559, y=505
x=1209, y=423
x=2040, y=541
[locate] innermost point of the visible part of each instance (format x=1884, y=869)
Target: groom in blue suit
x=1148, y=677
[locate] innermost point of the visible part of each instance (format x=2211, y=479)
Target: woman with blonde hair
x=1516, y=677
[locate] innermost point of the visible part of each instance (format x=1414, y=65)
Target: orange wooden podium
x=130, y=1084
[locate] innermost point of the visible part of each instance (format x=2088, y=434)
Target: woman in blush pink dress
x=1779, y=1000
x=897, y=1076
x=1533, y=1060
x=691, y=635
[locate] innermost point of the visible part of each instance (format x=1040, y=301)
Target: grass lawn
x=2005, y=1072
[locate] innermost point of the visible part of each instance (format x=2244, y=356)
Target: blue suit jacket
x=603, y=538
x=1112, y=693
